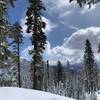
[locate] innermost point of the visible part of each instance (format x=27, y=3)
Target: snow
x=93, y=96
x=11, y=93
x=98, y=95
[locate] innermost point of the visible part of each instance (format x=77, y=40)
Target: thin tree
x=18, y=40
x=69, y=80
x=38, y=40
x=48, y=67
x=90, y=69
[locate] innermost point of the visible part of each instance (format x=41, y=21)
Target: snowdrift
x=11, y=93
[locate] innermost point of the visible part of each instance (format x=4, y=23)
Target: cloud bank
x=72, y=48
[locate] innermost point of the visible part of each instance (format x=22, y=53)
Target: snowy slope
x=10, y=93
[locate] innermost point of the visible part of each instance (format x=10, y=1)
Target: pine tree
x=3, y=33
x=38, y=40
x=60, y=73
x=90, y=69
x=18, y=40
x=6, y=54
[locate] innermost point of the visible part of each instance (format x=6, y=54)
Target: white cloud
x=57, y=4
x=86, y=9
x=77, y=39
x=66, y=10
x=49, y=25
x=73, y=47
x=65, y=14
x=25, y=53
x=74, y=27
x=63, y=8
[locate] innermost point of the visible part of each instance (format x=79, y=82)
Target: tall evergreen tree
x=3, y=33
x=90, y=69
x=6, y=54
x=38, y=39
x=17, y=41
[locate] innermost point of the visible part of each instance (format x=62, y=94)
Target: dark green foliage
x=90, y=69
x=4, y=30
x=38, y=39
x=4, y=52
x=7, y=78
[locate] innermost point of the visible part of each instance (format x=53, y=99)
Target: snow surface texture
x=94, y=96
x=98, y=95
x=11, y=93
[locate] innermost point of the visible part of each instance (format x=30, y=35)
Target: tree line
x=11, y=38
x=65, y=80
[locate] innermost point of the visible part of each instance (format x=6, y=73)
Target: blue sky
x=68, y=26
x=18, y=12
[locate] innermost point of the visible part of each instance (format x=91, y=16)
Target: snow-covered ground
x=11, y=93
x=98, y=95
x=93, y=96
